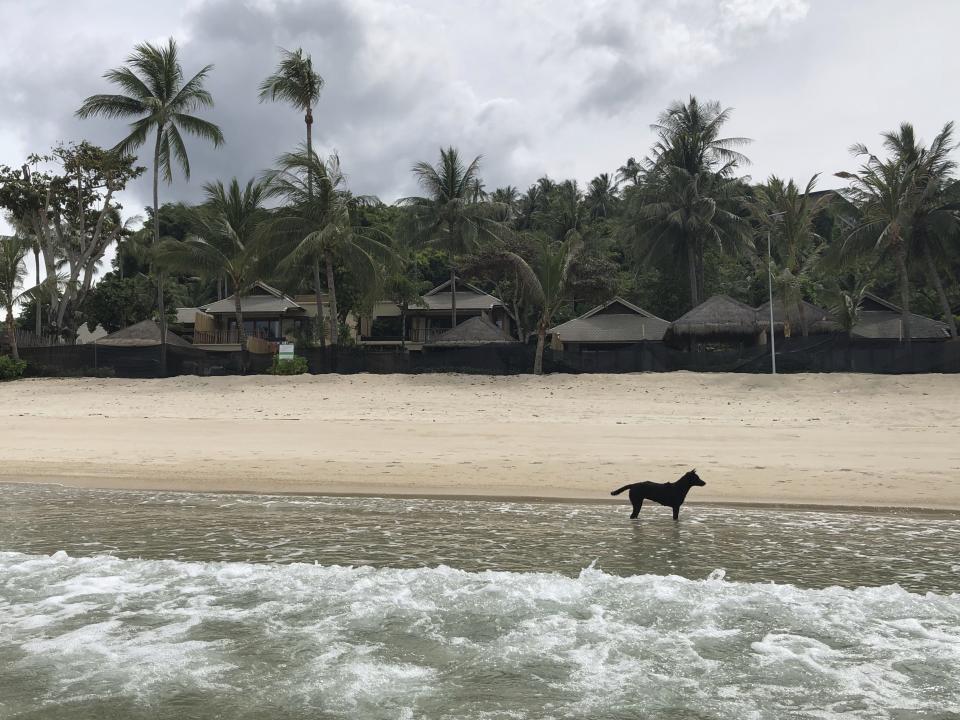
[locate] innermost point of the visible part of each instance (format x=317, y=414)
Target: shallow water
x=162, y=605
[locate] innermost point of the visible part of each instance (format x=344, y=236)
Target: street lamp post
x=773, y=341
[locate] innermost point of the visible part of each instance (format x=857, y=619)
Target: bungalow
x=430, y=317
x=720, y=319
x=614, y=324
x=268, y=314
x=880, y=318
x=816, y=320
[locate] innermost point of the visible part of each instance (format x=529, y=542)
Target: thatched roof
x=143, y=334
x=720, y=316
x=616, y=321
x=475, y=331
x=817, y=319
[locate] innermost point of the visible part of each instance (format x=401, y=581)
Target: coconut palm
x=295, y=82
x=602, y=196
x=690, y=198
x=888, y=194
x=787, y=213
x=318, y=223
x=230, y=243
x=13, y=271
x=546, y=278
x=678, y=213
x=157, y=95
x=688, y=137
x=452, y=215
x=936, y=216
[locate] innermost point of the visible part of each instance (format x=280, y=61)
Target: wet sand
x=861, y=440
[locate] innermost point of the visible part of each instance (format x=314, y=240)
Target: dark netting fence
x=815, y=354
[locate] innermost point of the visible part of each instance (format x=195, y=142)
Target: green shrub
x=297, y=366
x=11, y=369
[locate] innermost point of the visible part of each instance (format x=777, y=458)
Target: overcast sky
x=566, y=88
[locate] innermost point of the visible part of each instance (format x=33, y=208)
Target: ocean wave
x=255, y=639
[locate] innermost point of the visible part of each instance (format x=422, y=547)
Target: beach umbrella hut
x=145, y=333
x=718, y=319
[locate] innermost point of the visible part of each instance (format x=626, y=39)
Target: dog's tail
x=625, y=487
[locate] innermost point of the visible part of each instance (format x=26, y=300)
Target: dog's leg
x=637, y=505
x=676, y=512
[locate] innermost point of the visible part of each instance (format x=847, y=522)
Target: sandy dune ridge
x=821, y=439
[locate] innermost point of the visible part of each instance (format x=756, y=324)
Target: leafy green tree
x=230, y=243
x=156, y=94
x=452, y=216
x=116, y=302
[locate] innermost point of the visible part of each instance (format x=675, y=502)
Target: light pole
x=773, y=339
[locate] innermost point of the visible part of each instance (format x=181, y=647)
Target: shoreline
x=773, y=504
x=833, y=440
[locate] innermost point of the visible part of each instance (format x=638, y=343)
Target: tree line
x=665, y=232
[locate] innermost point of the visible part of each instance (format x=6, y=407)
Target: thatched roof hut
x=616, y=322
x=143, y=334
x=718, y=318
x=817, y=320
x=471, y=333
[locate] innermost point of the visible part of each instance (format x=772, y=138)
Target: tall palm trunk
x=541, y=343
x=901, y=254
x=941, y=293
x=692, y=273
x=308, y=119
x=318, y=298
x=453, y=296
x=161, y=308
x=332, y=289
x=39, y=308
x=238, y=311
x=12, y=334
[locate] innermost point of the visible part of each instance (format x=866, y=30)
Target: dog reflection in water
x=670, y=494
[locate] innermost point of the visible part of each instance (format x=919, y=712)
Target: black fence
x=816, y=354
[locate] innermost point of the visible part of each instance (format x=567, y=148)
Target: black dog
x=670, y=494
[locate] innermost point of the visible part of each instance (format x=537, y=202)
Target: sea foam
x=149, y=637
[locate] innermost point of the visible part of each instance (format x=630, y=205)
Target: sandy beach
x=797, y=439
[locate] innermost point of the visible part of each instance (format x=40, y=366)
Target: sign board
x=286, y=351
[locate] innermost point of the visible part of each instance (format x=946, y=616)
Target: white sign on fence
x=286, y=351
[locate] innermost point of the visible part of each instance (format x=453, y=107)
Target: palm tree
x=602, y=196
x=296, y=83
x=936, y=217
x=453, y=216
x=679, y=213
x=689, y=138
x=157, y=95
x=888, y=193
x=319, y=222
x=690, y=198
x=546, y=279
x=787, y=213
x=13, y=271
x=630, y=172
x=230, y=243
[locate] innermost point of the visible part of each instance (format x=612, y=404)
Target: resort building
x=881, y=319
x=612, y=325
x=269, y=315
x=429, y=318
